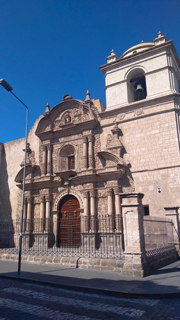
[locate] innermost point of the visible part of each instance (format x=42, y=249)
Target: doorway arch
x=69, y=222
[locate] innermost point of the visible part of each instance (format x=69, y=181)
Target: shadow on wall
x=6, y=224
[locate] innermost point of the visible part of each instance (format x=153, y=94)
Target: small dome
x=138, y=48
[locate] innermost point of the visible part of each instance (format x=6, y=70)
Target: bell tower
x=145, y=71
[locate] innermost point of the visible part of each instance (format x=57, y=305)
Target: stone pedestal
x=172, y=213
x=132, y=213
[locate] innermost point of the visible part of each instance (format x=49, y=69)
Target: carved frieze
x=73, y=116
x=92, y=193
x=112, y=183
x=38, y=199
x=86, y=194
x=121, y=116
x=109, y=192
x=138, y=112
x=102, y=193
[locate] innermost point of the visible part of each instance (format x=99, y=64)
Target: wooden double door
x=69, y=230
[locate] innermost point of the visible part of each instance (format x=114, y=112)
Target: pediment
x=108, y=156
x=29, y=169
x=67, y=115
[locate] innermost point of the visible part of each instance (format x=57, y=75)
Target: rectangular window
x=71, y=163
x=146, y=210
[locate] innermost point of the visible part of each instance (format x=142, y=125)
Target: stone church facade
x=87, y=161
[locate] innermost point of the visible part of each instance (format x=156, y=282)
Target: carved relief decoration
x=66, y=115
x=121, y=116
x=113, y=140
x=29, y=173
x=97, y=148
x=38, y=199
x=55, y=158
x=108, y=156
x=73, y=116
x=102, y=205
x=102, y=193
x=138, y=112
x=65, y=192
x=36, y=211
x=47, y=125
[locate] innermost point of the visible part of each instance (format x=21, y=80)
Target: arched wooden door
x=69, y=231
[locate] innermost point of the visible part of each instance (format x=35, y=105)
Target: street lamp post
x=7, y=86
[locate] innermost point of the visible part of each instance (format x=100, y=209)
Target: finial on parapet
x=47, y=109
x=87, y=99
x=160, y=39
x=112, y=57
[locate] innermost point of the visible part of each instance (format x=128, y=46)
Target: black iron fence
x=68, y=236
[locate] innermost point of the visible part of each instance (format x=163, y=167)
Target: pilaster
x=93, y=210
x=49, y=148
x=85, y=153
x=43, y=165
x=91, y=152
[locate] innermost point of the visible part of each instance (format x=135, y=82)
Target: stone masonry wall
x=150, y=140
x=11, y=160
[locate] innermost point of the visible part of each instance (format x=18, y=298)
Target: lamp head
x=5, y=85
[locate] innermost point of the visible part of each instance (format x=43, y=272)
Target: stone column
x=42, y=213
x=49, y=160
x=85, y=218
x=84, y=153
x=118, y=215
x=24, y=215
x=43, y=166
x=93, y=210
x=110, y=222
x=29, y=214
x=110, y=201
x=172, y=213
x=132, y=213
x=48, y=212
x=91, y=153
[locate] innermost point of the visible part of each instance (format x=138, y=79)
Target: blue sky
x=50, y=48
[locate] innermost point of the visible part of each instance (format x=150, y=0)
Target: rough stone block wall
x=151, y=142
x=13, y=156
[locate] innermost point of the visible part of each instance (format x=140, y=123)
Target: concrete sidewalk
x=165, y=282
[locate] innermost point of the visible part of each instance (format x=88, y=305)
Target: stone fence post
x=172, y=213
x=133, y=232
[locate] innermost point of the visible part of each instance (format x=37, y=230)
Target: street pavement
x=22, y=300
x=57, y=292
x=165, y=282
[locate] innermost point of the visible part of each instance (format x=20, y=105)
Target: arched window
x=67, y=158
x=136, y=85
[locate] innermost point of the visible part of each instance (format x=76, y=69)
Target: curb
x=106, y=292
